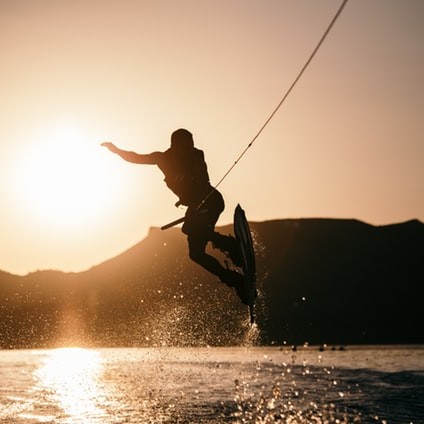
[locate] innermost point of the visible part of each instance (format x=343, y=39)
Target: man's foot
x=236, y=280
x=231, y=278
x=244, y=295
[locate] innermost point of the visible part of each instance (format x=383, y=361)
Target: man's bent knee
x=196, y=255
x=196, y=250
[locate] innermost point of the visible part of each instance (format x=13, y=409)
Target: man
x=187, y=176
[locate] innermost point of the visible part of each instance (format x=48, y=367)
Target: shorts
x=200, y=224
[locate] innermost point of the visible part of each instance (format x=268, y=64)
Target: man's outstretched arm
x=147, y=159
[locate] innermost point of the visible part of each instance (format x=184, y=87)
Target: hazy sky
x=347, y=143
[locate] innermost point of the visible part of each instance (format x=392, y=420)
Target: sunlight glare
x=72, y=377
x=65, y=180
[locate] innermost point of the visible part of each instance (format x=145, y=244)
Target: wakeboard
x=247, y=253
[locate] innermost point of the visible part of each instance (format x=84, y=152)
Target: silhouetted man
x=187, y=176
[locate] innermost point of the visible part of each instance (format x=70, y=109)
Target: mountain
x=321, y=281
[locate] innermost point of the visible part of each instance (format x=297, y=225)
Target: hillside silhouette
x=320, y=281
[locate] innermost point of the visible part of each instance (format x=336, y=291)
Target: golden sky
x=347, y=143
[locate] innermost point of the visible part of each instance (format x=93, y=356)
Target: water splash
x=295, y=392
x=252, y=335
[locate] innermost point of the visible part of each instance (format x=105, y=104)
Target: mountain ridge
x=321, y=280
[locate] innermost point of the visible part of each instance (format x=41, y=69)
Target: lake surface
x=213, y=385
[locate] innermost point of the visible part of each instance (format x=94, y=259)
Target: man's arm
x=149, y=159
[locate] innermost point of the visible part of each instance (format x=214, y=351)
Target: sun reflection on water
x=71, y=376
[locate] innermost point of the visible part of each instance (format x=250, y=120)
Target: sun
x=64, y=179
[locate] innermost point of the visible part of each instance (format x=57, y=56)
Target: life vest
x=186, y=174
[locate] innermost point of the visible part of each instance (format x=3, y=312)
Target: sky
x=347, y=142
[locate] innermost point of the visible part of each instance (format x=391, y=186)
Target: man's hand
x=110, y=146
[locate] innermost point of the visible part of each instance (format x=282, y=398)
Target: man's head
x=182, y=139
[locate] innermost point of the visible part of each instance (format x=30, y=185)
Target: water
x=213, y=385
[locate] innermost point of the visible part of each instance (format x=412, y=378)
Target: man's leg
x=198, y=254
x=230, y=278
x=199, y=227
